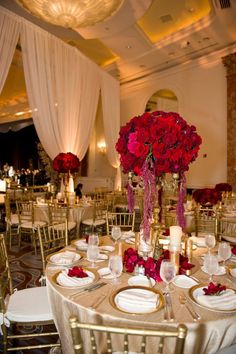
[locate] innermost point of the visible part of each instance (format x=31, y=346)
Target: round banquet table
x=213, y=331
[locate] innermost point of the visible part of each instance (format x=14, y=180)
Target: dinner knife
x=87, y=289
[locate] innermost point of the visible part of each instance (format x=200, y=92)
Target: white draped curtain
x=9, y=35
x=63, y=89
x=111, y=119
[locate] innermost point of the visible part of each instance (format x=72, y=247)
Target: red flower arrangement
x=165, y=139
x=206, y=196
x=151, y=266
x=77, y=272
x=64, y=163
x=223, y=187
x=214, y=289
x=153, y=144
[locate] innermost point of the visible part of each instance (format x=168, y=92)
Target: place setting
x=64, y=258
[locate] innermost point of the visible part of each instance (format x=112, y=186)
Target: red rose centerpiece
x=67, y=163
x=207, y=196
x=153, y=144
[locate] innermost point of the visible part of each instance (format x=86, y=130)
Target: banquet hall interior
x=118, y=150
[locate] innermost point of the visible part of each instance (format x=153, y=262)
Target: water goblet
x=210, y=265
x=224, y=251
x=116, y=233
x=92, y=254
x=116, y=266
x=93, y=239
x=167, y=273
x=210, y=242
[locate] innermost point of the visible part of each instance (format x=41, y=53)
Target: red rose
x=66, y=162
x=77, y=272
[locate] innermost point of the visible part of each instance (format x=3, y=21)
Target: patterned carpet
x=26, y=270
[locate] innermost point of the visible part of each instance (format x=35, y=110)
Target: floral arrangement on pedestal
x=153, y=144
x=223, y=187
x=207, y=196
x=152, y=266
x=66, y=163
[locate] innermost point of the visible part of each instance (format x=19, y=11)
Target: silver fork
x=184, y=301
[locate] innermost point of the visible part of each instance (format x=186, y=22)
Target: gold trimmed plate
x=92, y=274
x=197, y=290
x=52, y=258
x=141, y=292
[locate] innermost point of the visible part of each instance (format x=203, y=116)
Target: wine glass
x=210, y=242
x=116, y=266
x=93, y=240
x=224, y=251
x=167, y=273
x=210, y=265
x=116, y=233
x=92, y=254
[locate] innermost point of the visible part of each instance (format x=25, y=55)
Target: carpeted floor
x=26, y=270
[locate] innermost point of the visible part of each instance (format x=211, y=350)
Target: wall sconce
x=102, y=148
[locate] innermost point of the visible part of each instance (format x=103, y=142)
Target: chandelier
x=71, y=13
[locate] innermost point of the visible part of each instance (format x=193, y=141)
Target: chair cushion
x=97, y=222
x=29, y=305
x=26, y=225
x=71, y=225
x=14, y=220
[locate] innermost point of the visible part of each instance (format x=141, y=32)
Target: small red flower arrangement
x=207, y=196
x=64, y=163
x=233, y=249
x=151, y=266
x=214, y=289
x=77, y=272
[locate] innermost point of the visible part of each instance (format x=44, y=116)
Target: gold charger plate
x=95, y=279
x=48, y=258
x=159, y=304
x=197, y=290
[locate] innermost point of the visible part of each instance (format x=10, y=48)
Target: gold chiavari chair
x=12, y=222
x=52, y=239
x=22, y=307
x=111, y=332
x=227, y=229
x=206, y=220
x=58, y=214
x=98, y=222
x=27, y=223
x=125, y=221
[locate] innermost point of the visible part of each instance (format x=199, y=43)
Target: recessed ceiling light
x=128, y=46
x=191, y=9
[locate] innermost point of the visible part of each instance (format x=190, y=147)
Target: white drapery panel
x=9, y=34
x=111, y=119
x=63, y=90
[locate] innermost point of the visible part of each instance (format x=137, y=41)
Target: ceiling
x=143, y=37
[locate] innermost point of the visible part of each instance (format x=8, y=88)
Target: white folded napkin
x=105, y=273
x=130, y=241
x=64, y=280
x=225, y=301
x=138, y=300
x=199, y=241
x=81, y=244
x=127, y=234
x=66, y=257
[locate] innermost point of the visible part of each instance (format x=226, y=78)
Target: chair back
x=7, y=202
x=52, y=239
x=5, y=274
x=125, y=221
x=58, y=213
x=227, y=228
x=25, y=211
x=206, y=220
x=111, y=333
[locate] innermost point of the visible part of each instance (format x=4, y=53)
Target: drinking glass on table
x=116, y=233
x=210, y=265
x=116, y=266
x=92, y=254
x=224, y=251
x=167, y=273
x=93, y=239
x=210, y=242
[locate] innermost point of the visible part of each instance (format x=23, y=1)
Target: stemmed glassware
x=167, y=273
x=210, y=242
x=93, y=250
x=116, y=233
x=224, y=251
x=116, y=266
x=210, y=265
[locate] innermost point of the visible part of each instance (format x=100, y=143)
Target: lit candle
x=175, y=235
